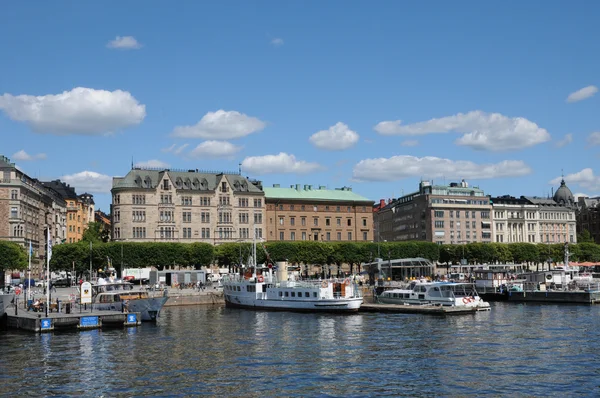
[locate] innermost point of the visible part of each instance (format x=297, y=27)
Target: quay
x=417, y=309
x=39, y=323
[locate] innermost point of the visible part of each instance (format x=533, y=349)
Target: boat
x=447, y=294
x=124, y=296
x=6, y=299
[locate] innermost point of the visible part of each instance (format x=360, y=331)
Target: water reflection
x=513, y=349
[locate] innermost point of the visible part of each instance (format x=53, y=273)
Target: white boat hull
x=326, y=305
x=149, y=309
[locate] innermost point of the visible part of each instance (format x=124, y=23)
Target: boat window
x=306, y=294
x=435, y=292
x=406, y=295
x=280, y=294
x=293, y=294
x=287, y=294
x=314, y=294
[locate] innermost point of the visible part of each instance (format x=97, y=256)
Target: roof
x=321, y=193
x=185, y=180
x=61, y=188
x=5, y=162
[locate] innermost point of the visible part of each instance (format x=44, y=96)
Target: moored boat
x=124, y=296
x=436, y=293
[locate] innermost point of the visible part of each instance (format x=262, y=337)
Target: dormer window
x=166, y=186
x=223, y=186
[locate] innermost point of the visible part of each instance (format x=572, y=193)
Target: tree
x=96, y=232
x=12, y=256
x=585, y=237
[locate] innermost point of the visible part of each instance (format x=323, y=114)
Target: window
x=303, y=221
x=440, y=224
x=473, y=214
x=257, y=202
x=451, y=224
x=186, y=200
x=244, y=218
x=451, y=213
x=280, y=207
x=205, y=217
x=204, y=201
x=338, y=209
x=457, y=213
x=224, y=187
x=205, y=233
x=473, y=224
x=316, y=222
x=187, y=217
x=349, y=222
x=116, y=199
x=258, y=232
x=14, y=194
x=302, y=207
x=315, y=208
x=466, y=214
x=280, y=220
x=303, y=235
x=292, y=235
x=349, y=235
x=14, y=212
x=339, y=236
x=485, y=214
x=166, y=185
x=328, y=235
x=349, y=208
x=364, y=222
x=117, y=233
x=327, y=221
x=292, y=221
x=243, y=202
x=257, y=218
x=187, y=233
x=438, y=213
x=364, y=235
x=116, y=217
x=338, y=222
x=291, y=207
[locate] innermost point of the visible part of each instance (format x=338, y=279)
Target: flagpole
x=29, y=274
x=48, y=254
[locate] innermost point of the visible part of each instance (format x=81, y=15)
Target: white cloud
x=582, y=94
x=409, y=143
x=565, y=141
x=124, y=43
x=277, y=42
x=89, y=181
x=584, y=178
x=580, y=195
x=215, y=149
x=175, y=149
x=276, y=164
x=338, y=137
x=481, y=130
x=24, y=156
x=221, y=125
x=82, y=111
x=398, y=167
x=594, y=138
x=153, y=164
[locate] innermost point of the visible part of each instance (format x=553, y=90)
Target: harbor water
x=514, y=349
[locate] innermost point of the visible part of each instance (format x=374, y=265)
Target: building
x=27, y=210
x=102, y=218
x=186, y=206
x=80, y=209
x=588, y=217
x=444, y=214
x=535, y=220
x=317, y=214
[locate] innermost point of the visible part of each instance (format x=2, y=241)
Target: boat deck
x=418, y=309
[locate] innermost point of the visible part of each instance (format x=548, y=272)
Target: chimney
x=381, y=203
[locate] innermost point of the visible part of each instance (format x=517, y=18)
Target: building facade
x=588, y=217
x=186, y=206
x=317, y=214
x=535, y=220
x=444, y=214
x=27, y=210
x=80, y=209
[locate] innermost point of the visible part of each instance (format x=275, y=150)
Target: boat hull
x=6, y=299
x=332, y=306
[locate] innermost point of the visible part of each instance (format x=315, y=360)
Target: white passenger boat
x=113, y=296
x=436, y=293
x=272, y=291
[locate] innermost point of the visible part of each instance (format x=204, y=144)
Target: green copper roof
x=308, y=192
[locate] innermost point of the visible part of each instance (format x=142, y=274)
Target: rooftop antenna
x=132, y=162
x=240, y=168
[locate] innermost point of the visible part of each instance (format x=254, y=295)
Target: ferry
x=451, y=294
x=124, y=296
x=268, y=290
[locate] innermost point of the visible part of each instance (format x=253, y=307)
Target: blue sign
x=131, y=318
x=88, y=321
x=46, y=323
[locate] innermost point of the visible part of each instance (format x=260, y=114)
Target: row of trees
x=197, y=255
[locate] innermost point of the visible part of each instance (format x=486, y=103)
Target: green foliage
x=585, y=237
x=12, y=256
x=96, y=232
x=160, y=254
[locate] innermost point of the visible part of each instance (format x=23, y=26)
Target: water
x=533, y=350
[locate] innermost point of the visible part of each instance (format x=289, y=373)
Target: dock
x=417, y=309
x=40, y=323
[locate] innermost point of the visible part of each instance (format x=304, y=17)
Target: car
x=61, y=282
x=40, y=284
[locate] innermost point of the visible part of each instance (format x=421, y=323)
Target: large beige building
x=186, y=206
x=444, y=214
x=27, y=210
x=318, y=214
x=535, y=220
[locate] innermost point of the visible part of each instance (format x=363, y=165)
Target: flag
x=49, y=246
x=30, y=250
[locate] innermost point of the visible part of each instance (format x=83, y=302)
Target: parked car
x=61, y=282
x=40, y=284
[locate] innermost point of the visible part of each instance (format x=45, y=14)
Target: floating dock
x=39, y=323
x=418, y=309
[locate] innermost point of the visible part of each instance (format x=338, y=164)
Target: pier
x=39, y=323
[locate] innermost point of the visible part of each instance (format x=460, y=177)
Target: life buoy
x=347, y=281
x=466, y=300
x=260, y=279
x=323, y=284
x=18, y=291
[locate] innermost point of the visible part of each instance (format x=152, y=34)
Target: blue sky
x=372, y=95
